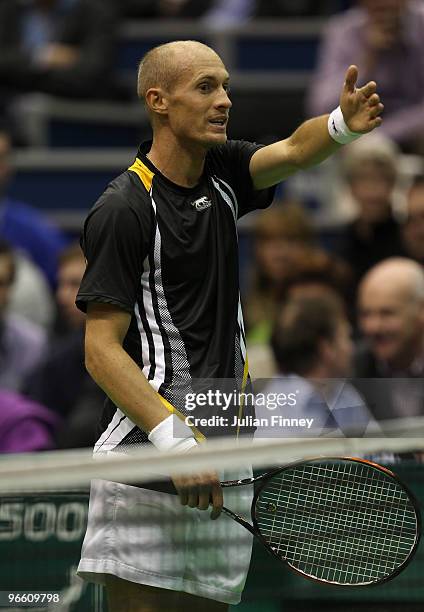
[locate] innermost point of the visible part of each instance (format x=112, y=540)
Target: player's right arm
x=122, y=380
x=113, y=369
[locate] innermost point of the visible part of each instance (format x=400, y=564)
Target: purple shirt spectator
x=25, y=426
x=398, y=67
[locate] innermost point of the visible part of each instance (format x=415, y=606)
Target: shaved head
x=391, y=311
x=184, y=86
x=162, y=66
x=397, y=274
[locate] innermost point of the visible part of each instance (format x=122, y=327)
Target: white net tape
x=70, y=469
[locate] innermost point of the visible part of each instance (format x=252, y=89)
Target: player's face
x=198, y=106
x=391, y=321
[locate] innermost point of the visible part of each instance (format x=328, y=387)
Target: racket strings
x=344, y=556
x=342, y=522
x=396, y=527
x=316, y=535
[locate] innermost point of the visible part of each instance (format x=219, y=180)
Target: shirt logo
x=201, y=203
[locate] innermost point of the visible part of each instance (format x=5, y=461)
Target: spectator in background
x=30, y=295
x=385, y=39
x=61, y=382
x=61, y=47
x=374, y=234
x=22, y=225
x=25, y=426
x=413, y=227
x=391, y=319
x=288, y=263
x=316, y=270
x=281, y=235
x=313, y=351
x=22, y=344
x=70, y=273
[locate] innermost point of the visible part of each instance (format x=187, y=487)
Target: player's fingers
x=183, y=495
x=193, y=491
x=369, y=89
x=376, y=123
x=204, y=497
x=373, y=100
x=182, y=489
x=376, y=111
x=199, y=493
x=351, y=78
x=217, y=500
x=206, y=483
x=193, y=497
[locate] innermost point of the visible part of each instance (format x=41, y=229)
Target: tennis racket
x=340, y=521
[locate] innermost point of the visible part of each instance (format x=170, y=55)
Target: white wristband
x=172, y=434
x=338, y=128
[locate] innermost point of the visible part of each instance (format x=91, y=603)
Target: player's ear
x=156, y=100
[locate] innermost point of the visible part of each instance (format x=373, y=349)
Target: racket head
x=373, y=563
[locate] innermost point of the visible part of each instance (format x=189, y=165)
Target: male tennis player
x=162, y=301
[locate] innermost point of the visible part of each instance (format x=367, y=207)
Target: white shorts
x=148, y=537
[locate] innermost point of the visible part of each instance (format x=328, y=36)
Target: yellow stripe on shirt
x=243, y=387
x=144, y=174
x=197, y=434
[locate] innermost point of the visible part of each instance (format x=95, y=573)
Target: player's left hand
x=361, y=107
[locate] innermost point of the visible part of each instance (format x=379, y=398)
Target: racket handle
x=239, y=483
x=248, y=481
x=239, y=519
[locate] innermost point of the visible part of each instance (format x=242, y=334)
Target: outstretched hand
x=361, y=107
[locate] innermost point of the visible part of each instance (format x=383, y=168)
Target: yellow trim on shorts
x=144, y=174
x=197, y=434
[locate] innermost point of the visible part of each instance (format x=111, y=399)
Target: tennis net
x=44, y=508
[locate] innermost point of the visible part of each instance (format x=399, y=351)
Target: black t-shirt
x=168, y=256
